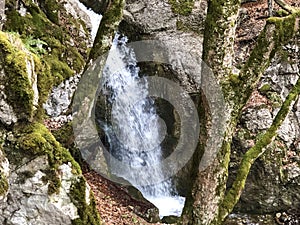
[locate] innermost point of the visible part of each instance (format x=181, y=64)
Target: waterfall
x=136, y=131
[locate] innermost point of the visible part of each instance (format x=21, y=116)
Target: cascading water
x=135, y=132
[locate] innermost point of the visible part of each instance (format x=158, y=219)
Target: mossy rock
x=35, y=140
x=42, y=22
x=182, y=7
x=18, y=87
x=87, y=212
x=65, y=136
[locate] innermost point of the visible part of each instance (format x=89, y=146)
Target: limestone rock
x=7, y=115
x=274, y=181
x=29, y=202
x=257, y=119
x=156, y=20
x=61, y=96
x=32, y=180
x=17, y=101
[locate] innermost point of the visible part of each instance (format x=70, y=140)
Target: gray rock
x=7, y=115
x=289, y=130
x=257, y=119
x=60, y=98
x=274, y=182
x=90, y=18
x=28, y=201
x=2, y=14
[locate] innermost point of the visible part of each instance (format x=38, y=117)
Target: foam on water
x=168, y=206
x=135, y=132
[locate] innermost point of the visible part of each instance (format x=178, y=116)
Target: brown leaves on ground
x=114, y=204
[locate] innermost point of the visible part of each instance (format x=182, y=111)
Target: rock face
x=40, y=182
x=60, y=97
x=4, y=173
x=45, y=184
x=178, y=30
x=273, y=184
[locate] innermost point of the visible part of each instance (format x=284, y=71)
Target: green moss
x=180, y=25
x=65, y=136
x=53, y=180
x=87, y=212
x=3, y=184
x=234, y=79
x=43, y=25
x=182, y=7
x=275, y=98
x=37, y=140
x=281, y=13
x=265, y=88
x=51, y=9
x=17, y=84
x=59, y=69
x=45, y=83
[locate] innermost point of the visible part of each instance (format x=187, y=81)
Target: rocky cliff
x=42, y=44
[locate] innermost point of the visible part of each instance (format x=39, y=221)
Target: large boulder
x=45, y=183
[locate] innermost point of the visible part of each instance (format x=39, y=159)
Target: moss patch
x=43, y=25
x=87, y=212
x=17, y=84
x=3, y=184
x=182, y=7
x=65, y=136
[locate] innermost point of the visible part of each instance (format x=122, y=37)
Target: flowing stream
x=136, y=131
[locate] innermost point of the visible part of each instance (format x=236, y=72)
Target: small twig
x=285, y=6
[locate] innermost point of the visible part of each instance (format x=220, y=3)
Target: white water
x=94, y=17
x=136, y=130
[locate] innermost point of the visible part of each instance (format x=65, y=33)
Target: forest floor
x=115, y=206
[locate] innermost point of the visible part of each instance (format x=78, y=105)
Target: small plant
x=36, y=46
